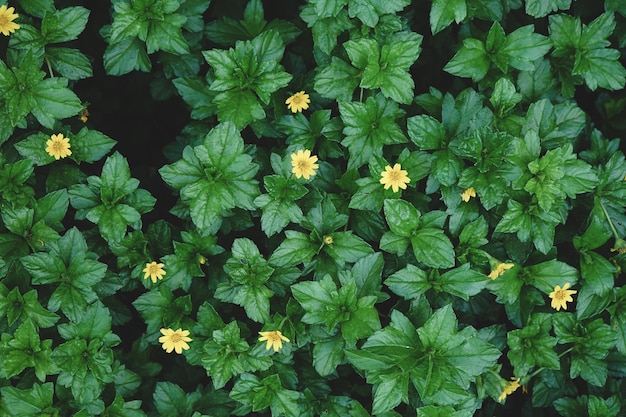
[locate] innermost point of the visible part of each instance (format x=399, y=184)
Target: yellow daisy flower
x=509, y=388
x=274, y=339
x=561, y=296
x=467, y=194
x=328, y=240
x=303, y=164
x=7, y=16
x=499, y=269
x=154, y=271
x=298, y=102
x=394, y=177
x=174, y=340
x=58, y=146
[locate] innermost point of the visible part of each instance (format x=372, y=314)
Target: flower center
x=297, y=100
x=153, y=269
x=175, y=338
x=303, y=164
x=4, y=20
x=57, y=146
x=274, y=337
x=560, y=295
x=394, y=176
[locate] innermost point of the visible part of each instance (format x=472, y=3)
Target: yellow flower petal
x=154, y=271
x=274, y=339
x=395, y=178
x=298, y=102
x=58, y=146
x=7, y=16
x=303, y=164
x=174, y=340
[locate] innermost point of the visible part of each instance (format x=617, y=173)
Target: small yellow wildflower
x=499, y=269
x=298, y=102
x=58, y=146
x=274, y=339
x=394, y=177
x=560, y=296
x=619, y=246
x=174, y=340
x=467, y=194
x=7, y=16
x=509, y=389
x=202, y=260
x=84, y=115
x=303, y=164
x=328, y=240
x=154, y=271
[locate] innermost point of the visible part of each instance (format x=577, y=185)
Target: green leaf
x=532, y=346
x=324, y=26
x=432, y=247
x=369, y=11
x=295, y=249
x=392, y=243
x=368, y=127
x=246, y=74
x=64, y=25
x=69, y=62
x=470, y=61
x=601, y=68
x=462, y=282
x=327, y=354
x=95, y=323
x=52, y=100
x=90, y=145
x=426, y=132
x=28, y=402
x=523, y=46
x=220, y=165
x=37, y=7
x=410, y=282
x=316, y=299
x=546, y=275
x=443, y=12
x=542, y=8
x=347, y=247
x=337, y=81
x=402, y=217
x=170, y=400
x=597, y=272
x=126, y=55
x=196, y=93
x=36, y=312
x=390, y=392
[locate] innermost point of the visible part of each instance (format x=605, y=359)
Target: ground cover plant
x=312, y=208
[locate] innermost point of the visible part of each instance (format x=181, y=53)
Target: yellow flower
x=499, y=269
x=619, y=246
x=7, y=16
x=394, y=177
x=303, y=164
x=467, y=194
x=84, y=115
x=58, y=146
x=174, y=340
x=560, y=296
x=509, y=388
x=328, y=240
x=274, y=339
x=298, y=102
x=154, y=271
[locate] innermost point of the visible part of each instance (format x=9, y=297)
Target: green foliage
x=283, y=294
